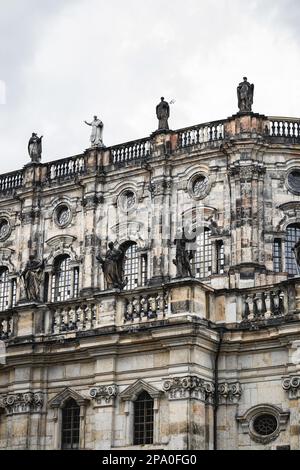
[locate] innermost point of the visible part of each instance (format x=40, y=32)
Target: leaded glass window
x=202, y=260
x=220, y=257
x=143, y=419
x=4, y=289
x=277, y=255
x=64, y=280
x=292, y=237
x=70, y=425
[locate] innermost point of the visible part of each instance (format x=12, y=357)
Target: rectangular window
x=144, y=270
x=13, y=293
x=220, y=257
x=277, y=255
x=76, y=282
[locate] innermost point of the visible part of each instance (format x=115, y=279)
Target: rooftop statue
x=245, y=93
x=163, y=114
x=35, y=148
x=97, y=132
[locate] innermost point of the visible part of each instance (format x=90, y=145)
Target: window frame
x=143, y=419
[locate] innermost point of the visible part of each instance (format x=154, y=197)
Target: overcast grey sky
x=63, y=61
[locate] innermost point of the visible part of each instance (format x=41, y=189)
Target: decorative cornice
x=29, y=402
x=292, y=386
x=230, y=392
x=104, y=394
x=179, y=388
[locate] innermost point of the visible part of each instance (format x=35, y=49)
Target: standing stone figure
x=163, y=114
x=183, y=257
x=112, y=266
x=32, y=278
x=35, y=148
x=245, y=93
x=97, y=131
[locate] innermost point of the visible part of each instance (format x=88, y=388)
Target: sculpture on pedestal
x=97, y=131
x=32, y=278
x=35, y=148
x=112, y=266
x=183, y=257
x=163, y=114
x=245, y=93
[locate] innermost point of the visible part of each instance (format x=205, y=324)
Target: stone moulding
x=104, y=394
x=292, y=386
x=29, y=402
x=180, y=388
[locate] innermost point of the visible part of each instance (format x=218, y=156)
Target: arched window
x=143, y=419
x=135, y=267
x=64, y=280
x=292, y=237
x=70, y=425
x=7, y=290
x=202, y=260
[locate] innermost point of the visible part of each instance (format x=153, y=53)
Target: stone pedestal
x=188, y=296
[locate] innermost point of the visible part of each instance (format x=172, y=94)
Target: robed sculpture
x=163, y=114
x=97, y=131
x=112, y=266
x=35, y=148
x=32, y=278
x=183, y=257
x=245, y=93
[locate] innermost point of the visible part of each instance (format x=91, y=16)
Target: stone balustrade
x=11, y=181
x=283, y=127
x=146, y=307
x=66, y=168
x=200, y=134
x=262, y=305
x=138, y=149
x=79, y=317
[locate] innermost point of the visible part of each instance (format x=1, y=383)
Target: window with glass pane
x=70, y=425
x=143, y=419
x=202, y=261
x=64, y=280
x=13, y=292
x=4, y=289
x=292, y=237
x=277, y=255
x=144, y=269
x=131, y=267
x=220, y=257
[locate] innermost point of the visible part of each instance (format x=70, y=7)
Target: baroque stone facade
x=214, y=356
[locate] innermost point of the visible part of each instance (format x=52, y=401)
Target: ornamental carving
x=230, y=392
x=292, y=386
x=30, y=402
x=159, y=188
x=104, y=394
x=179, y=388
x=246, y=172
